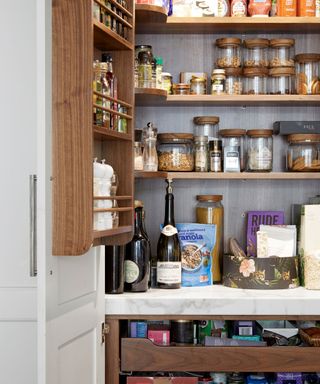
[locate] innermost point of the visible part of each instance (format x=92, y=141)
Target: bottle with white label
x=168, y=249
x=137, y=258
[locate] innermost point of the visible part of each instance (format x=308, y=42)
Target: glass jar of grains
x=303, y=154
x=233, y=81
x=218, y=80
x=281, y=53
x=209, y=210
x=175, y=152
x=201, y=154
x=256, y=52
x=181, y=89
x=198, y=86
x=255, y=81
x=206, y=126
x=308, y=73
x=233, y=143
x=229, y=52
x=281, y=81
x=260, y=150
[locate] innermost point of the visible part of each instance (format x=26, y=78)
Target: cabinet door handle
x=33, y=225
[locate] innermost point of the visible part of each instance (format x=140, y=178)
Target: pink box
x=159, y=336
x=162, y=380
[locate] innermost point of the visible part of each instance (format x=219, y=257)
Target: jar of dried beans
x=229, y=52
x=303, y=153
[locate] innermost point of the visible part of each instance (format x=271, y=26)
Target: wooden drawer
x=143, y=355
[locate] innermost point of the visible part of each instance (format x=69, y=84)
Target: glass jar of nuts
x=303, y=154
x=281, y=81
x=229, y=52
x=233, y=81
x=281, y=53
x=175, y=152
x=256, y=52
x=308, y=73
x=255, y=81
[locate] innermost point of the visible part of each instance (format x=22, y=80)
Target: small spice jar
x=166, y=80
x=303, y=154
x=181, y=331
x=175, y=152
x=218, y=80
x=281, y=53
x=281, y=81
x=233, y=142
x=215, y=155
x=181, y=89
x=233, y=81
x=198, y=86
x=256, y=52
x=308, y=73
x=138, y=158
x=145, y=69
x=229, y=52
x=260, y=150
x=206, y=126
x=201, y=158
x=255, y=81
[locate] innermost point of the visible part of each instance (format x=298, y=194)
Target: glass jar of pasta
x=308, y=73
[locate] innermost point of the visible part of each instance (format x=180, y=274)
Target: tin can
x=181, y=331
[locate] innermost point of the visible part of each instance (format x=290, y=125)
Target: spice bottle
x=218, y=79
x=233, y=149
x=209, y=210
x=201, y=153
x=238, y=8
x=215, y=155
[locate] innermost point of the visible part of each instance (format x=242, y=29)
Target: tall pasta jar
x=206, y=126
x=256, y=52
x=281, y=81
x=209, y=210
x=281, y=53
x=233, y=142
x=233, y=81
x=229, y=52
x=255, y=81
x=308, y=73
x=259, y=150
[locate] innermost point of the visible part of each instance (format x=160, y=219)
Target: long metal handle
x=33, y=225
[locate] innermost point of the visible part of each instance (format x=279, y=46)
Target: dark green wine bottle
x=168, y=248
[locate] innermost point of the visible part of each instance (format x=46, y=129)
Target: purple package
x=289, y=378
x=255, y=219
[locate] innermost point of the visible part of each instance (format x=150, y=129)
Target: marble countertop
x=215, y=300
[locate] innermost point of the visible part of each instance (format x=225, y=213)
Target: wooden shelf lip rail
x=102, y=36
x=114, y=14
x=112, y=232
x=143, y=355
x=118, y=209
x=146, y=13
x=104, y=133
x=112, y=99
x=112, y=197
x=119, y=6
x=229, y=175
x=113, y=112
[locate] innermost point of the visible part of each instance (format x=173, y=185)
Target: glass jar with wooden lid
x=281, y=81
x=175, y=152
x=233, y=81
x=233, y=146
x=206, y=126
x=303, y=154
x=209, y=210
x=259, y=150
x=229, y=52
x=255, y=81
x=181, y=89
x=281, y=53
x=198, y=86
x=308, y=73
x=256, y=52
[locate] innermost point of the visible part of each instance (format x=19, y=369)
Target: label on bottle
x=169, y=272
x=131, y=271
x=169, y=230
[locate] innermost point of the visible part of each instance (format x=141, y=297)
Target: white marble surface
x=215, y=300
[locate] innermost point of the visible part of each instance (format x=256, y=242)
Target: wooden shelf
x=143, y=355
x=150, y=96
x=215, y=25
x=112, y=232
x=105, y=39
x=229, y=175
x=143, y=98
x=104, y=134
x=146, y=14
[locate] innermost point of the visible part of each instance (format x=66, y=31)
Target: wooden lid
x=282, y=71
x=307, y=57
x=174, y=137
x=255, y=71
x=201, y=120
x=303, y=137
x=227, y=41
x=196, y=79
x=256, y=43
x=209, y=197
x=233, y=71
x=260, y=132
x=278, y=43
x=181, y=86
x=232, y=132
